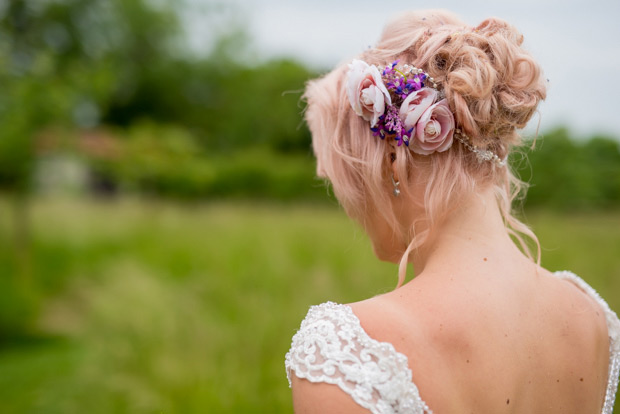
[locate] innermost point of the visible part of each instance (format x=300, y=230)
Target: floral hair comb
x=406, y=103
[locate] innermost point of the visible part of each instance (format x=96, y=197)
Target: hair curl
x=493, y=88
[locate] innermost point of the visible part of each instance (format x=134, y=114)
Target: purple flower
x=391, y=124
x=392, y=120
x=389, y=69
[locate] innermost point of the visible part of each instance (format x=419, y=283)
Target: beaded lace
x=332, y=347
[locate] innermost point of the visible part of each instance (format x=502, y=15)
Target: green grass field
x=156, y=307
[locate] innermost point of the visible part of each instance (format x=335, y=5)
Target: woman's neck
x=472, y=233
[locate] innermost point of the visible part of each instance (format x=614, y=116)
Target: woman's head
x=490, y=85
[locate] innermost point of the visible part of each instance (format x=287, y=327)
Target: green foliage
x=64, y=62
x=259, y=106
x=262, y=174
x=157, y=159
x=566, y=173
x=121, y=62
x=227, y=107
x=20, y=305
x=167, y=161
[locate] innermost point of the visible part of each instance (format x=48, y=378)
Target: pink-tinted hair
x=493, y=88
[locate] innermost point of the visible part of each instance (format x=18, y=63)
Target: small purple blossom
x=392, y=118
x=399, y=84
x=417, y=82
x=390, y=124
x=389, y=69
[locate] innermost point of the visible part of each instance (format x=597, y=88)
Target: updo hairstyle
x=493, y=88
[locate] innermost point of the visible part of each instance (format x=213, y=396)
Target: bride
x=414, y=136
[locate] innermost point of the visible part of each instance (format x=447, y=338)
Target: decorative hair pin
x=406, y=103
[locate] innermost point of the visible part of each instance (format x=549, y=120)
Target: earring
x=396, y=190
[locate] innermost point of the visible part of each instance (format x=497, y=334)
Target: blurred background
x=159, y=211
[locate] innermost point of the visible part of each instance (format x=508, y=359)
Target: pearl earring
x=396, y=190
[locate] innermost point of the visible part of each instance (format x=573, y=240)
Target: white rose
x=434, y=131
x=415, y=104
x=366, y=91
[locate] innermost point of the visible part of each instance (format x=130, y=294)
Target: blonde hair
x=493, y=88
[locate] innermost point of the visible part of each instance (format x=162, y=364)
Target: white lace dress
x=332, y=347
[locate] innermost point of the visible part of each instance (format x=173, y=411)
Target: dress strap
x=613, y=328
x=332, y=347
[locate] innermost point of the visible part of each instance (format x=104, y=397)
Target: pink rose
x=415, y=104
x=434, y=131
x=366, y=91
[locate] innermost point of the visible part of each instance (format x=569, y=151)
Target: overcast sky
x=576, y=42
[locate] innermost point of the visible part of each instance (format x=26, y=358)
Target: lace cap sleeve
x=332, y=347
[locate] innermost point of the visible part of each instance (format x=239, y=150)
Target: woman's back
x=497, y=343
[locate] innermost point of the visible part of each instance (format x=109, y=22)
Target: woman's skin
x=485, y=329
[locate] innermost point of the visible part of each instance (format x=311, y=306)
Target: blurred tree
x=604, y=154
x=32, y=96
x=567, y=173
x=103, y=51
x=67, y=62
x=264, y=102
